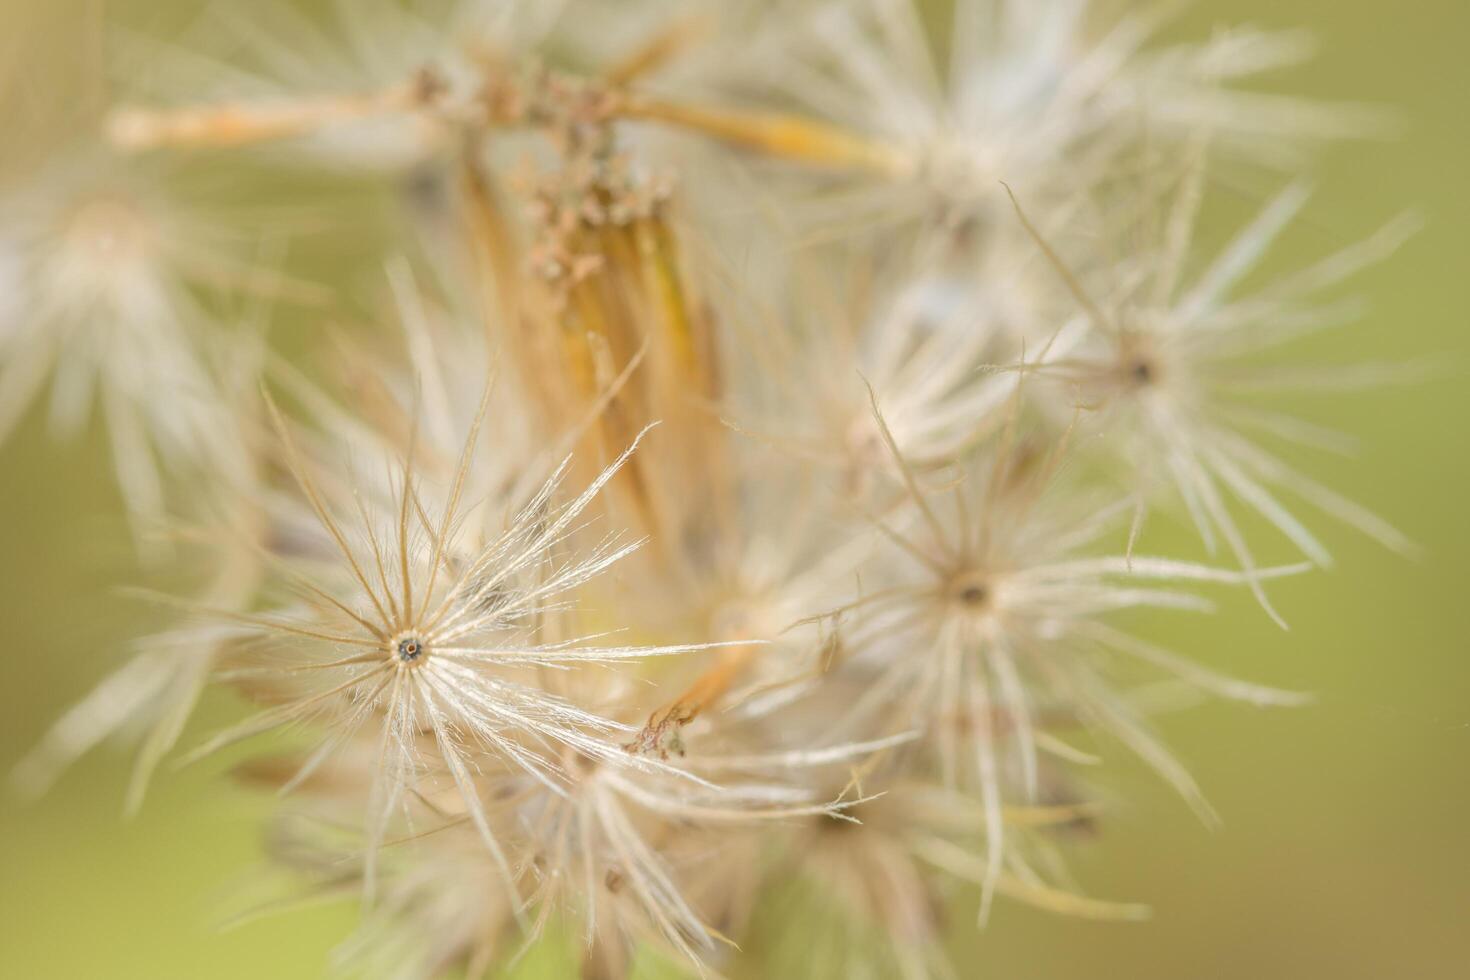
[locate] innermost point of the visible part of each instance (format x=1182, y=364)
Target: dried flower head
x=1003, y=620
x=781, y=233
x=104, y=272
x=1174, y=367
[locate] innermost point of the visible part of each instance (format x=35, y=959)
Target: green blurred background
x=1345, y=851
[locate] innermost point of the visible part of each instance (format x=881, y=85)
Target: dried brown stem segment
x=241, y=124
x=494, y=244
x=777, y=134
x=662, y=734
x=635, y=303
x=657, y=51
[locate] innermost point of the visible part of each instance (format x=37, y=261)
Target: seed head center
x=109, y=230
x=408, y=648
x=971, y=591
x=1143, y=372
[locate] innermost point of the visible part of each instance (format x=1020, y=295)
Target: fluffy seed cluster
x=705, y=521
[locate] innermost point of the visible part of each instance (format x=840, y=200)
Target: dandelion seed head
x=889, y=295
x=1172, y=366
x=98, y=246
